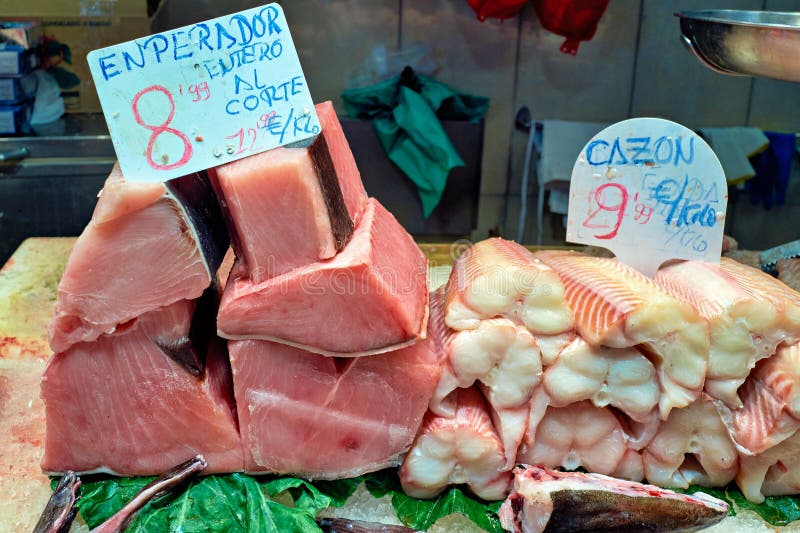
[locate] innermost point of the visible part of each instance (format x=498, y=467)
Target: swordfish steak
x=289, y=207
x=125, y=404
x=324, y=417
x=147, y=246
x=371, y=298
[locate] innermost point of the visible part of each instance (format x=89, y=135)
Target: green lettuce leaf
x=238, y=502
x=217, y=503
x=421, y=514
x=776, y=510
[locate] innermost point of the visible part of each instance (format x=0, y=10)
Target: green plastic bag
x=405, y=112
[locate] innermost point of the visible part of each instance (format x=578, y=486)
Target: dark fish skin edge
x=599, y=510
x=345, y=525
x=163, y=484
x=197, y=199
x=60, y=510
x=341, y=223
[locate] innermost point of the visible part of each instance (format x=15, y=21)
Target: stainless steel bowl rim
x=761, y=19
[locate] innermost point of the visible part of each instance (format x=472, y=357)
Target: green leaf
x=777, y=510
x=339, y=490
x=421, y=514
x=216, y=504
x=101, y=499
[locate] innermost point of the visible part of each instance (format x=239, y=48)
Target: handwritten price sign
x=649, y=190
x=202, y=95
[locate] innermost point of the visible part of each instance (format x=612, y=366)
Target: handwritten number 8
x=618, y=208
x=160, y=129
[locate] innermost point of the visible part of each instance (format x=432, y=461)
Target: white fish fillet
x=744, y=327
x=691, y=448
x=620, y=377
x=577, y=435
x=771, y=397
x=501, y=355
x=498, y=278
x=774, y=472
x=616, y=306
x=464, y=449
x=551, y=345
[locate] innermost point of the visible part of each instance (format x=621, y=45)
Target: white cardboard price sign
x=649, y=190
x=198, y=96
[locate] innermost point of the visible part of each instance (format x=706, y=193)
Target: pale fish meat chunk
x=616, y=306
x=620, y=377
x=548, y=500
x=743, y=327
x=774, y=472
x=499, y=278
x=577, y=435
x=500, y=354
x=691, y=448
x=511, y=424
x=771, y=397
x=464, y=449
x=551, y=346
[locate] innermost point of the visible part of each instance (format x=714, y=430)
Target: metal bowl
x=744, y=43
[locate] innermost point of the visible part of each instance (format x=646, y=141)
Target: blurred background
x=634, y=65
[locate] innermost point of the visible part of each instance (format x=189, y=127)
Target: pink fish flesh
x=289, y=207
x=371, y=298
x=122, y=404
x=147, y=246
x=324, y=417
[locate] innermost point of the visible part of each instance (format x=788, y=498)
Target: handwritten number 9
x=158, y=130
x=200, y=92
x=604, y=203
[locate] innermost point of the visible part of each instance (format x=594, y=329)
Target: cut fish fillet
x=464, y=449
x=499, y=354
x=289, y=207
x=548, y=500
x=323, y=417
x=577, y=435
x=123, y=405
x=771, y=397
x=691, y=448
x=620, y=377
x=616, y=306
x=743, y=327
x=774, y=472
x=763, y=286
x=147, y=246
x=371, y=298
x=498, y=278
x=511, y=424
x=502, y=357
x=552, y=345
